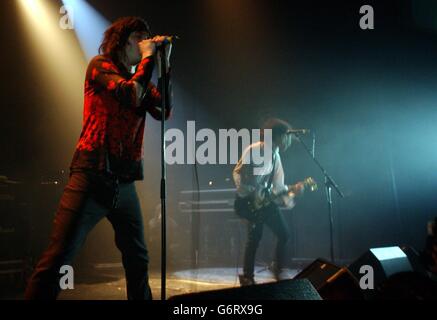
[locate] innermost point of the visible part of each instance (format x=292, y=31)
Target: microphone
x=297, y=131
x=169, y=40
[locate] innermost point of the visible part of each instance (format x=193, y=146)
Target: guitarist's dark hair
x=278, y=127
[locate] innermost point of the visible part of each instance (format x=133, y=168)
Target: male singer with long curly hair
x=109, y=158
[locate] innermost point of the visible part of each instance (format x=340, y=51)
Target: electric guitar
x=250, y=207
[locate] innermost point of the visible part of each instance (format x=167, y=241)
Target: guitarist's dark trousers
x=86, y=200
x=273, y=218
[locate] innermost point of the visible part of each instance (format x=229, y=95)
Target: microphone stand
x=329, y=185
x=163, y=85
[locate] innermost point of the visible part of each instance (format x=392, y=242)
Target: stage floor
x=112, y=285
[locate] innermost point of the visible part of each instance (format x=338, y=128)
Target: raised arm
x=106, y=75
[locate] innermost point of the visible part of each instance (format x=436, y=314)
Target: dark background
x=369, y=96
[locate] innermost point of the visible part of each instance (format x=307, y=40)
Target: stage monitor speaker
x=301, y=289
x=385, y=262
x=331, y=281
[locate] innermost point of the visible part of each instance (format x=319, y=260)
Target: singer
x=108, y=158
x=252, y=201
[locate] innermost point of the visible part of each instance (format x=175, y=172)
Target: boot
x=246, y=280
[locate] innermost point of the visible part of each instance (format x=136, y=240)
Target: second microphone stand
x=329, y=185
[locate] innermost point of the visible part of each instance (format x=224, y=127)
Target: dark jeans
x=87, y=199
x=273, y=218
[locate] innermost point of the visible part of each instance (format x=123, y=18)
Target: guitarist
x=251, y=189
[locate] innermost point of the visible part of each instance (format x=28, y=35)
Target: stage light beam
x=89, y=26
x=58, y=68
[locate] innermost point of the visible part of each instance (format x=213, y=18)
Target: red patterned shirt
x=113, y=126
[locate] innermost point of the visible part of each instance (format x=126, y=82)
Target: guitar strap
x=269, y=185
